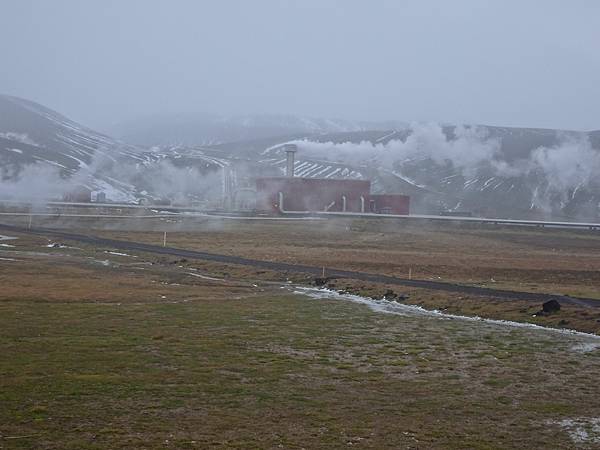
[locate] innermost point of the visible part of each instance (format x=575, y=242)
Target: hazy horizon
x=526, y=64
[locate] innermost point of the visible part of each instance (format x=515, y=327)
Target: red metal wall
x=310, y=194
x=388, y=204
x=79, y=194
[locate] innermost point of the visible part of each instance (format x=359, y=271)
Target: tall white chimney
x=290, y=152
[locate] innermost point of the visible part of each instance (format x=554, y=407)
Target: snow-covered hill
x=30, y=132
x=44, y=155
x=492, y=171
x=43, y=149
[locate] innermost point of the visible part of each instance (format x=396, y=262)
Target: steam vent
x=294, y=194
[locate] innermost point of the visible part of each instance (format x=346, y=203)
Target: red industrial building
x=311, y=194
x=389, y=204
x=274, y=194
x=277, y=194
x=78, y=194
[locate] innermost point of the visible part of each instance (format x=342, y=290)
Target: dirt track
x=313, y=270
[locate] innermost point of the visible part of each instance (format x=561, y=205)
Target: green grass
x=277, y=370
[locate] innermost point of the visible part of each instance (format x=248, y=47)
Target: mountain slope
x=493, y=171
x=44, y=155
x=212, y=129
x=30, y=132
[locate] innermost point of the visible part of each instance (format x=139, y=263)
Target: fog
x=564, y=168
x=514, y=63
x=157, y=180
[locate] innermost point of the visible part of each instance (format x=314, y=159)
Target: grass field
x=104, y=350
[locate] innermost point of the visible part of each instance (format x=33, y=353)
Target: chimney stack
x=290, y=151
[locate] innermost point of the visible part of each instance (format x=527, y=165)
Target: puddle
x=204, y=277
x=119, y=254
x=57, y=245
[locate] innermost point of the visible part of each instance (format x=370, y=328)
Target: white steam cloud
x=160, y=179
x=566, y=167
x=35, y=181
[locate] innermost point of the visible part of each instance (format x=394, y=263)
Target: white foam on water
x=592, y=341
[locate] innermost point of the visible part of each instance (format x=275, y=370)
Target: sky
x=528, y=63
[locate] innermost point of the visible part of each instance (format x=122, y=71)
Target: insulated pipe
x=362, y=204
x=343, y=203
x=280, y=196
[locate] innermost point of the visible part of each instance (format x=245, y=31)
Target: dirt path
x=313, y=270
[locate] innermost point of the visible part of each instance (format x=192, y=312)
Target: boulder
x=319, y=281
x=551, y=306
x=390, y=295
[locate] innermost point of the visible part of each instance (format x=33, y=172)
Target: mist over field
x=189, y=102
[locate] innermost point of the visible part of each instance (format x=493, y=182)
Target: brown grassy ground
x=106, y=351
x=525, y=259
x=561, y=261
x=537, y=260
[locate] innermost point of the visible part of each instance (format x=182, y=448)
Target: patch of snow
x=468, y=183
x=383, y=138
x=7, y=238
x=329, y=175
x=6, y=245
x=406, y=179
x=23, y=138
x=55, y=245
x=585, y=347
x=582, y=430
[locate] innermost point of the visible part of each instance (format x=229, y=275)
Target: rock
x=319, y=281
x=390, y=295
x=551, y=306
x=394, y=297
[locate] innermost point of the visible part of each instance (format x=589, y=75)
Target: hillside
x=212, y=129
x=482, y=170
x=30, y=132
x=43, y=155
